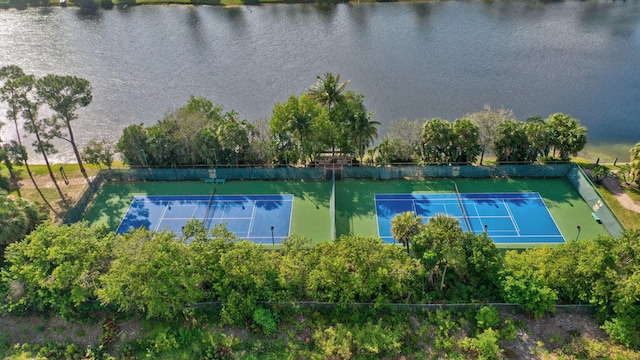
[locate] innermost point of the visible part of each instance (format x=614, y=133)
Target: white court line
x=253, y=216
x=375, y=203
x=290, y=217
x=164, y=211
x=515, y=225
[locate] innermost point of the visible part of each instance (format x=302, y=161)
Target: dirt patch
x=550, y=333
x=37, y=330
x=33, y=329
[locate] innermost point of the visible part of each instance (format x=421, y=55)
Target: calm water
x=410, y=60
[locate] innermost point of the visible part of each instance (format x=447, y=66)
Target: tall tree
x=10, y=93
x=295, y=120
x=568, y=135
x=405, y=226
x=540, y=138
x=512, y=142
x=488, y=121
x=464, y=143
x=405, y=140
x=329, y=92
x=439, y=247
x=65, y=95
x=133, y=145
x=363, y=131
x=634, y=163
x=436, y=139
x=29, y=109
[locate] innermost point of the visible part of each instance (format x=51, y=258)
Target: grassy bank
x=606, y=152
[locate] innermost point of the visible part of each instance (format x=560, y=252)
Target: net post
x=332, y=204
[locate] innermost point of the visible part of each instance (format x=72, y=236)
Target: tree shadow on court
x=114, y=198
x=136, y=217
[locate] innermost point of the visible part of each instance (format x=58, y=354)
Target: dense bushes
x=72, y=269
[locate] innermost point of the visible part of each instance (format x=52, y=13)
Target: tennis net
x=464, y=213
x=206, y=222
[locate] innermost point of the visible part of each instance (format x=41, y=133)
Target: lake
x=410, y=60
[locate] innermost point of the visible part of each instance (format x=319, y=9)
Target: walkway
x=625, y=200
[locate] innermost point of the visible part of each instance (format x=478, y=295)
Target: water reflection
x=410, y=60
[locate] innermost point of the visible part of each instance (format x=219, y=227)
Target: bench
x=214, y=181
x=596, y=217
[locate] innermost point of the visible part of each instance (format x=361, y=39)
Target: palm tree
x=363, y=131
x=328, y=91
x=635, y=163
x=9, y=93
x=405, y=226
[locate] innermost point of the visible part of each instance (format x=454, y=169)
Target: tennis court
x=259, y=218
x=508, y=218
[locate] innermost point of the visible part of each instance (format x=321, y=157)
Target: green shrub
x=624, y=330
x=487, y=317
x=266, y=319
x=484, y=346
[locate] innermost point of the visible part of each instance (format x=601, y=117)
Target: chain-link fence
x=195, y=174
x=401, y=307
x=599, y=206
x=465, y=171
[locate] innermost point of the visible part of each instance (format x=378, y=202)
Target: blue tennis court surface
x=251, y=217
x=508, y=218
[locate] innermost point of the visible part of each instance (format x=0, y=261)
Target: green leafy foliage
x=359, y=269
x=18, y=217
x=521, y=284
x=57, y=268
x=266, y=320
x=366, y=341
x=151, y=273
x=487, y=317
x=483, y=346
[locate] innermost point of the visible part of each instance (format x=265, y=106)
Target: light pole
x=273, y=241
x=579, y=228
x=486, y=228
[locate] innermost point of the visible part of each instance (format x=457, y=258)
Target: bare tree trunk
x=444, y=273
x=77, y=153
x=26, y=165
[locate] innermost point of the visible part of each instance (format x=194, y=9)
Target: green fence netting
x=195, y=174
x=75, y=213
x=468, y=171
x=315, y=305
x=597, y=203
